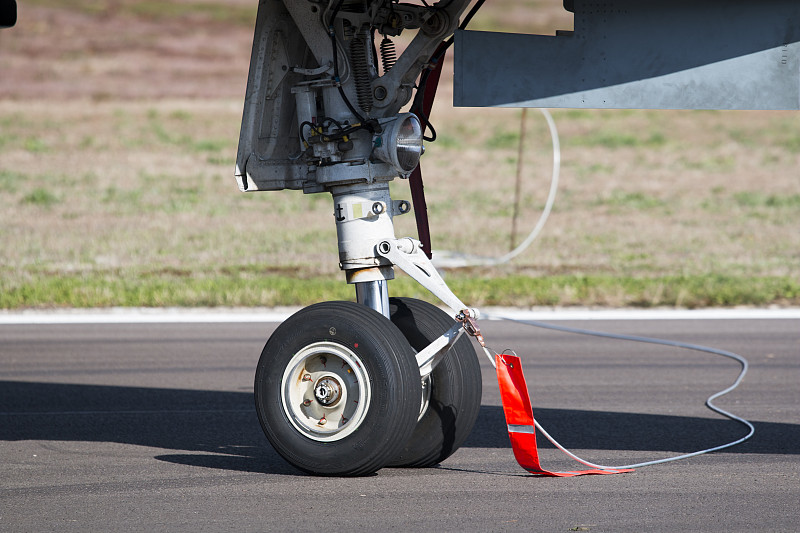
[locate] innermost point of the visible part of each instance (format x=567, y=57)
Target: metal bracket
x=326, y=68
x=432, y=354
x=407, y=254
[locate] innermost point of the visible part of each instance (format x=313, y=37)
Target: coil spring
x=388, y=54
x=358, y=57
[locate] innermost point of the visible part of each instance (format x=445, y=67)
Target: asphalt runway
x=137, y=427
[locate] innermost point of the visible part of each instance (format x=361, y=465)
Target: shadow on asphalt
x=222, y=430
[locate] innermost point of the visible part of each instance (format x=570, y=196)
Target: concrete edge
x=256, y=315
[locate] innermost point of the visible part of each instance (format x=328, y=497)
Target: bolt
x=435, y=24
x=323, y=392
x=306, y=402
x=307, y=377
x=322, y=420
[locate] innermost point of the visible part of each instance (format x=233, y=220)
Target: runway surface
x=111, y=427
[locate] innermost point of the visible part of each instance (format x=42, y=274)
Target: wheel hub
x=327, y=391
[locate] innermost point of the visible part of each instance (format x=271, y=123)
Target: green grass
x=10, y=181
x=631, y=200
x=719, y=164
x=170, y=130
x=40, y=197
x=781, y=208
x=247, y=287
x=758, y=199
x=35, y=145
x=218, y=12
x=614, y=140
x=134, y=204
x=159, y=10
x=449, y=142
x=503, y=139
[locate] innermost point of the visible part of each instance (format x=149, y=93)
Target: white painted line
x=643, y=314
x=145, y=316
x=199, y=316
x=117, y=413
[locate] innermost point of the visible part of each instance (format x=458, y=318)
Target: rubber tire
x=394, y=380
x=456, y=386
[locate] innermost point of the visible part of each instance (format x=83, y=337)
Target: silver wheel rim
x=325, y=391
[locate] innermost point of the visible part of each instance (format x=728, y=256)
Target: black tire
x=345, y=361
x=455, y=386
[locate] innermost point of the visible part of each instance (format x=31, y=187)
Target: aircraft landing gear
x=338, y=390
x=345, y=388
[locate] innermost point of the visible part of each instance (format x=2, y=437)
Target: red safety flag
x=519, y=417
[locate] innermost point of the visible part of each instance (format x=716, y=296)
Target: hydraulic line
x=336, y=78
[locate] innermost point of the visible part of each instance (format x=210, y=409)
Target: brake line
x=648, y=340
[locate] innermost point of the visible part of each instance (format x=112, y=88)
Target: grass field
x=118, y=132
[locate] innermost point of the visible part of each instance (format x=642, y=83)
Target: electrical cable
x=471, y=14
x=332, y=34
x=450, y=259
x=439, y=53
x=648, y=340
x=463, y=260
x=429, y=126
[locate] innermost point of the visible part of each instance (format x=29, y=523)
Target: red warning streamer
x=519, y=417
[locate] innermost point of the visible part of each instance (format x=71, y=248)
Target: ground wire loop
x=519, y=413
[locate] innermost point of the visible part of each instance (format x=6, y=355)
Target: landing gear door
x=269, y=142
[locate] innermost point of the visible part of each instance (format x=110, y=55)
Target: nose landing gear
x=345, y=388
x=338, y=390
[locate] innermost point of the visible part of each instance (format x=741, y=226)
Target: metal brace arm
x=407, y=254
x=429, y=357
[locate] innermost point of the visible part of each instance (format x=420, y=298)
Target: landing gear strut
x=346, y=388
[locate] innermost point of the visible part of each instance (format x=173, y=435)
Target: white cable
x=457, y=260
x=709, y=402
